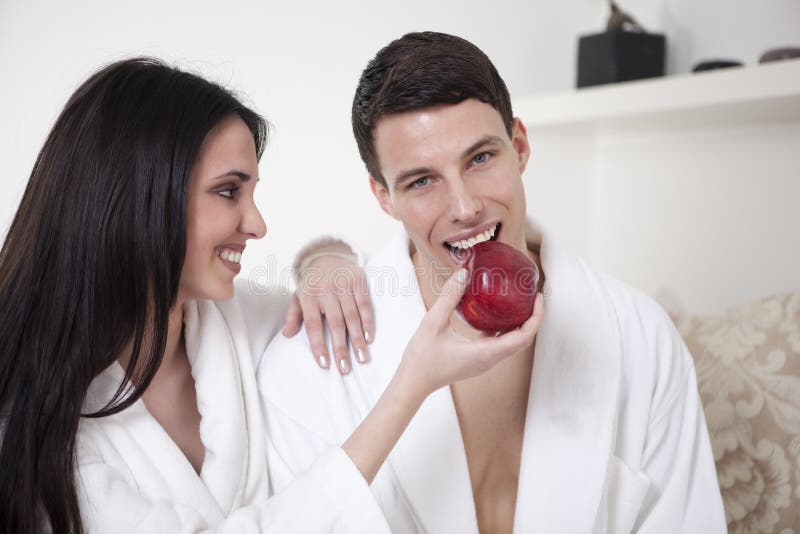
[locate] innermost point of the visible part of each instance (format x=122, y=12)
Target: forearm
x=434, y=357
x=370, y=444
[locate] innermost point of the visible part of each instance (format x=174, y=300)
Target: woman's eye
x=228, y=193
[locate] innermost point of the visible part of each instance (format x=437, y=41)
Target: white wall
x=700, y=220
x=298, y=62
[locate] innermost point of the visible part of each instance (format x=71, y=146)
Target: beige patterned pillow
x=748, y=371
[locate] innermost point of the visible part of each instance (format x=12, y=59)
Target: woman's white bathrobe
x=615, y=439
x=133, y=478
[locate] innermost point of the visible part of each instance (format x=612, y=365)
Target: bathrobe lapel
x=147, y=448
x=428, y=462
x=227, y=398
x=570, y=421
x=234, y=466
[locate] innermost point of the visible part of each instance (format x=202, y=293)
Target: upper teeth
x=472, y=241
x=230, y=255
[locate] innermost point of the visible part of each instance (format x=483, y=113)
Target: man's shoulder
x=641, y=317
x=287, y=358
x=636, y=315
x=655, y=358
x=294, y=388
x=633, y=305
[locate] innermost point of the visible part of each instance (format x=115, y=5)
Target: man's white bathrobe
x=615, y=439
x=132, y=477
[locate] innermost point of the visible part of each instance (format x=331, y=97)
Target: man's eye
x=420, y=182
x=483, y=157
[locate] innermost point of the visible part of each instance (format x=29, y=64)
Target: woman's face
x=220, y=213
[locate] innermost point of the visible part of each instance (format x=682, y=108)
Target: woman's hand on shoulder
x=335, y=288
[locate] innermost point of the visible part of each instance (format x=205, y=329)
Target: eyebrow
x=403, y=176
x=483, y=141
x=243, y=176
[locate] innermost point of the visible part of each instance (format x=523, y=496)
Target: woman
x=127, y=393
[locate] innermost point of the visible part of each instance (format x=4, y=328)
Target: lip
x=235, y=267
x=238, y=247
x=459, y=256
x=471, y=233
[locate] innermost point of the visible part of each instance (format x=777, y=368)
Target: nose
x=465, y=205
x=252, y=224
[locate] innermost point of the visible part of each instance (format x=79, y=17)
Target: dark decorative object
x=618, y=20
x=714, y=64
x=624, y=52
x=777, y=54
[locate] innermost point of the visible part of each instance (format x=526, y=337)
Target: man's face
x=453, y=177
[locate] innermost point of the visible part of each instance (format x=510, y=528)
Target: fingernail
x=323, y=361
x=344, y=366
x=361, y=355
x=462, y=276
x=367, y=337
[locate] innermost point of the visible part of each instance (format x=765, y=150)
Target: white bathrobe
x=133, y=478
x=615, y=439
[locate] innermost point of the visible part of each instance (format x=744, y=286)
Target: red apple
x=501, y=288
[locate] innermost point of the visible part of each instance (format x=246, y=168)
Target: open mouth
x=459, y=249
x=230, y=257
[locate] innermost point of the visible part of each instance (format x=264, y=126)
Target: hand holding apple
x=437, y=355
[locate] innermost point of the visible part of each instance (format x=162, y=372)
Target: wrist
x=310, y=259
x=329, y=242
x=409, y=384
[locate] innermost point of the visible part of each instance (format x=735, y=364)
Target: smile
x=230, y=257
x=464, y=244
x=458, y=247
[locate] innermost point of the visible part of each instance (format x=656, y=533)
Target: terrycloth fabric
x=615, y=439
x=133, y=477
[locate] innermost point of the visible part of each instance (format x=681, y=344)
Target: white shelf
x=758, y=94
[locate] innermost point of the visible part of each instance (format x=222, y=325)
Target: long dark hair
x=92, y=263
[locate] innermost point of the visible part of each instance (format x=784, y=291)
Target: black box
x=618, y=56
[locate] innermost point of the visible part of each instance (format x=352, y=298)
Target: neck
x=174, y=346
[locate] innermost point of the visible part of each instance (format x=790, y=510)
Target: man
x=596, y=427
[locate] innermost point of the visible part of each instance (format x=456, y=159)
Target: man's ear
x=519, y=138
x=382, y=196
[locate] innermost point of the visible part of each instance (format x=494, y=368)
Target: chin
x=224, y=293
x=217, y=293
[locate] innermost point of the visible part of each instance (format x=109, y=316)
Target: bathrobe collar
x=223, y=374
x=570, y=420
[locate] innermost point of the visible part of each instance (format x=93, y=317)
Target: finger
x=514, y=340
x=365, y=310
x=353, y=321
x=451, y=294
x=338, y=332
x=293, y=318
x=312, y=316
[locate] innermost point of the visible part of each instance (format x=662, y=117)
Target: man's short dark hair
x=421, y=70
